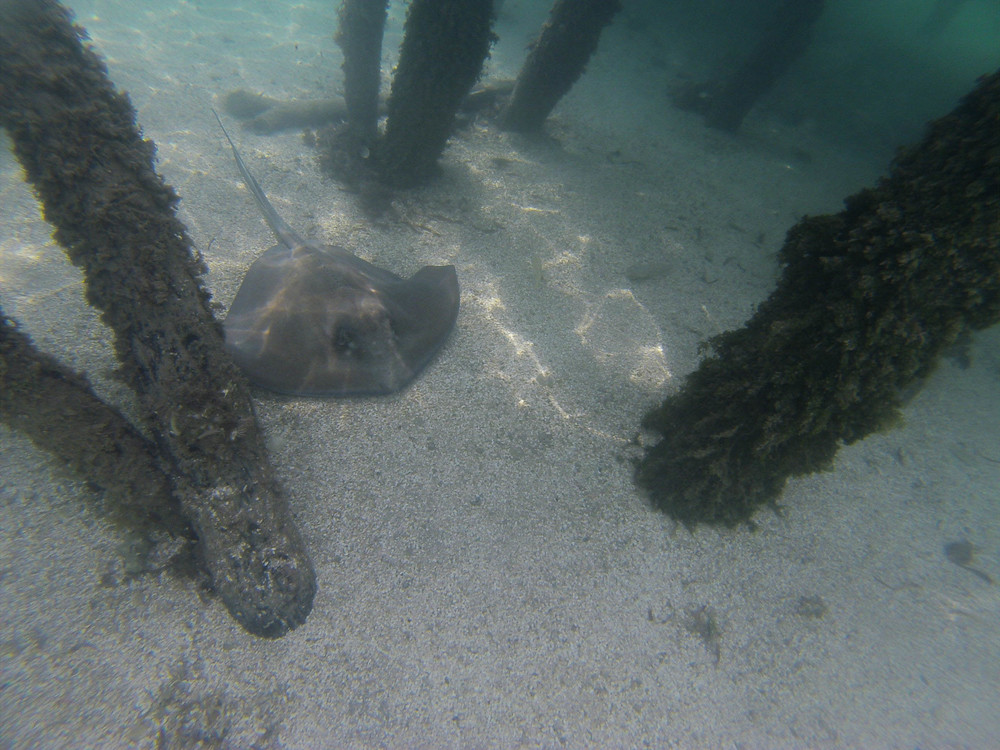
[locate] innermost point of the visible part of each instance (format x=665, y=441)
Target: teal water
x=489, y=576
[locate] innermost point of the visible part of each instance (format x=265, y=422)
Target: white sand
x=488, y=573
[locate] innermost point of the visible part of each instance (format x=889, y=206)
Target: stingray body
x=319, y=321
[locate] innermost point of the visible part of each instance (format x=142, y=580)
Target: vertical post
x=444, y=45
x=360, y=37
x=557, y=58
x=725, y=102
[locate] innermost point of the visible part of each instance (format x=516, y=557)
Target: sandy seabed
x=488, y=573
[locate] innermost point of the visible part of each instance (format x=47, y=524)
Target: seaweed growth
x=867, y=302
x=59, y=412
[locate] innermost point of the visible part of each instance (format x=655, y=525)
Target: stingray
x=315, y=320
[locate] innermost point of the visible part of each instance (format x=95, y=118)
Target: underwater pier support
x=725, y=102
x=78, y=143
x=557, y=58
x=359, y=36
x=344, y=148
x=58, y=411
x=444, y=45
x=867, y=301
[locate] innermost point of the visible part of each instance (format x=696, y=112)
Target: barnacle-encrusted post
x=867, y=301
x=77, y=140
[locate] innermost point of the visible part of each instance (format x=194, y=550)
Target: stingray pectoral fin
x=423, y=309
x=262, y=284
x=350, y=263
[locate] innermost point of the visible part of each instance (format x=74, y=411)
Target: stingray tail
x=282, y=231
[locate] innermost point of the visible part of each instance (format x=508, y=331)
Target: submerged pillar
x=78, y=143
x=725, y=102
x=58, y=411
x=444, y=45
x=360, y=38
x=556, y=60
x=345, y=148
x=867, y=301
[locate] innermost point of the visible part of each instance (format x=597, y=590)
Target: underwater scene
x=499, y=373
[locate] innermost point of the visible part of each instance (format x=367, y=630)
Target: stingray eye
x=346, y=340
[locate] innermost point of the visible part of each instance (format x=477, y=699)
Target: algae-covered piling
x=867, y=301
x=727, y=100
x=360, y=37
x=444, y=45
x=556, y=60
x=57, y=410
x=77, y=140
